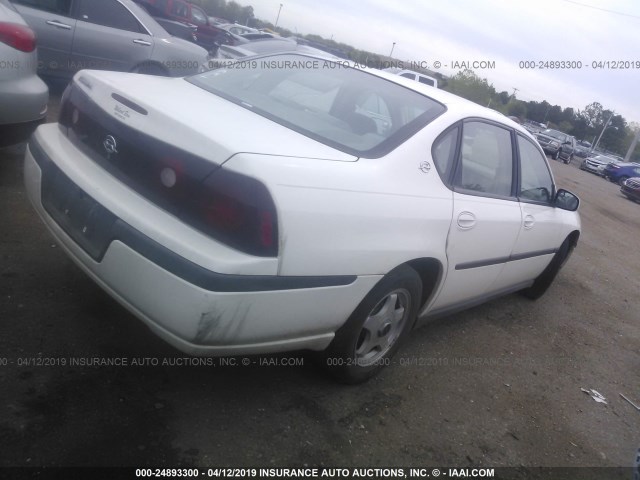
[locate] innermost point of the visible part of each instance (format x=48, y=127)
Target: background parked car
x=182, y=30
x=534, y=127
x=238, y=29
x=106, y=35
x=620, y=172
x=209, y=35
x=597, y=163
x=558, y=144
x=23, y=95
x=262, y=47
x=631, y=189
x=418, y=77
x=583, y=149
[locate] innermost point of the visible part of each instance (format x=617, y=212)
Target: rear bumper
x=23, y=106
x=23, y=100
x=232, y=314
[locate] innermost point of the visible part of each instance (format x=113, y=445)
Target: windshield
x=338, y=105
x=198, y=16
x=555, y=134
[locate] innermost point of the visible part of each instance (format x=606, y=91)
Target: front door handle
x=55, y=23
x=466, y=220
x=529, y=221
x=142, y=42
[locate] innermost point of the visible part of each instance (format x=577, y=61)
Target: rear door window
x=536, y=183
x=108, y=13
x=60, y=7
x=486, y=165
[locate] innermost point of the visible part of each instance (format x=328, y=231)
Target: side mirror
x=566, y=200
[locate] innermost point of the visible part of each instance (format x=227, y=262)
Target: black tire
x=150, y=69
x=568, y=160
x=354, y=355
x=622, y=179
x=546, y=278
x=556, y=155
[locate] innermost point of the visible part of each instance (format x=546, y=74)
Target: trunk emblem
x=110, y=145
x=425, y=167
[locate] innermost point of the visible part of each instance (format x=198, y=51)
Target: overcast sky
x=506, y=32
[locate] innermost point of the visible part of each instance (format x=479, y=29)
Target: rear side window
x=426, y=80
x=180, y=9
x=198, y=16
x=536, y=183
x=443, y=152
x=108, y=13
x=61, y=7
x=486, y=164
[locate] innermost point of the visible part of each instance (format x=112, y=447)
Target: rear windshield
x=331, y=102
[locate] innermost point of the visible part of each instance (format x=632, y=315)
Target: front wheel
x=374, y=331
x=546, y=278
x=622, y=180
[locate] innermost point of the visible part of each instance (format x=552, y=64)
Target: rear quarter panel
x=361, y=218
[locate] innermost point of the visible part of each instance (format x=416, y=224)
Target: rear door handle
x=55, y=23
x=466, y=220
x=142, y=42
x=529, y=222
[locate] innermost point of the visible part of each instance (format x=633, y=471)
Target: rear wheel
x=622, y=179
x=556, y=155
x=546, y=278
x=373, y=333
x=569, y=160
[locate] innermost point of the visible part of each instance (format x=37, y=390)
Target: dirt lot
x=498, y=385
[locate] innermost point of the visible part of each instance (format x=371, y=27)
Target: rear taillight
x=18, y=36
x=235, y=209
x=239, y=211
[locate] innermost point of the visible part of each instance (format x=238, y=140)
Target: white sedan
x=291, y=202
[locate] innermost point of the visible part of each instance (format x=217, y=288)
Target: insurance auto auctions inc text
x=374, y=472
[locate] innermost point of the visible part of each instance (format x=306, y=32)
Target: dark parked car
x=209, y=36
x=631, y=189
x=179, y=29
x=561, y=146
x=620, y=172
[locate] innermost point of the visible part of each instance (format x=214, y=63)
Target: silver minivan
x=106, y=35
